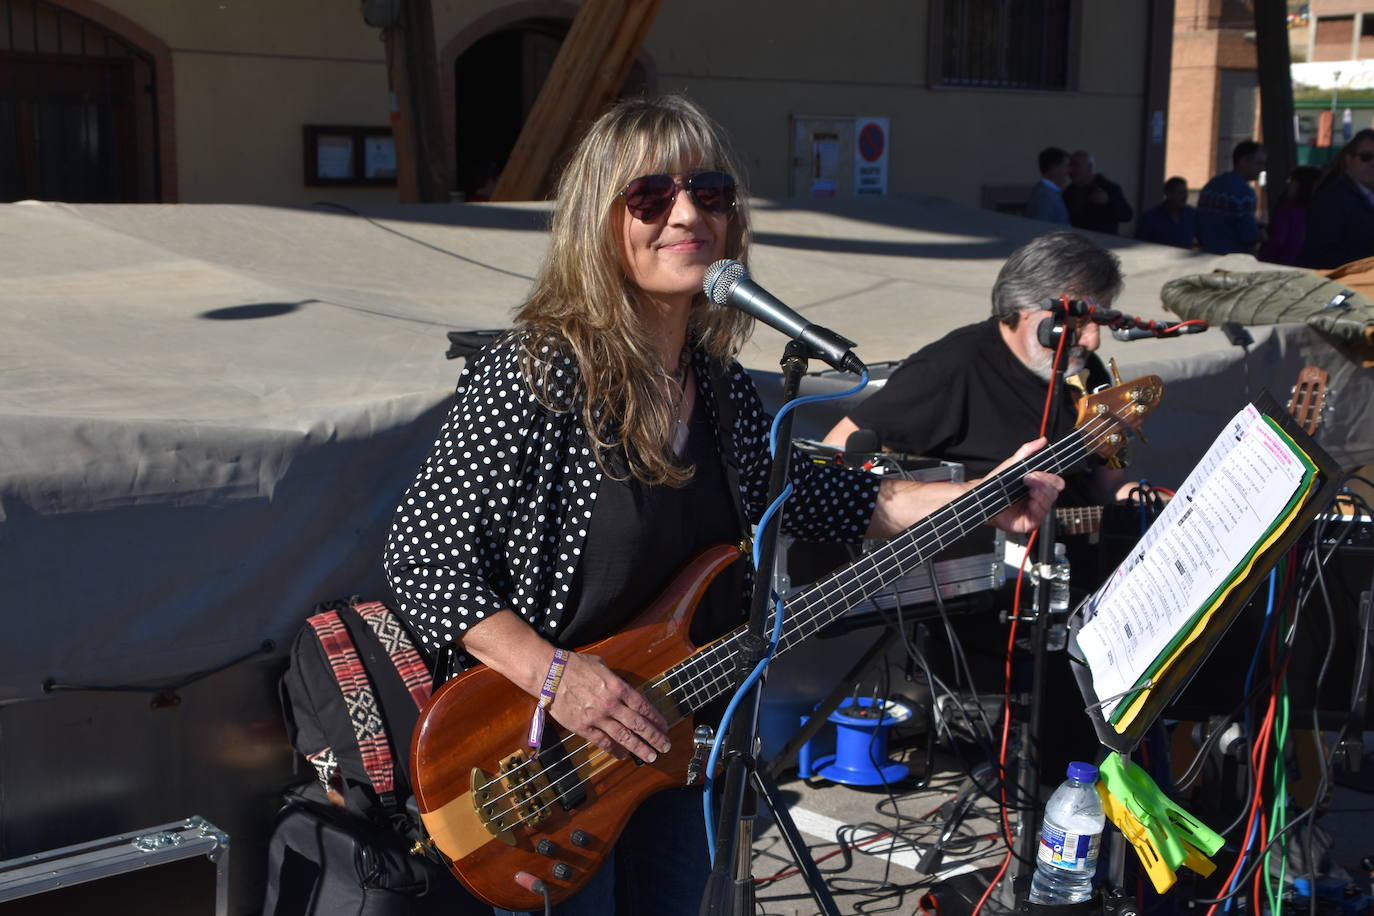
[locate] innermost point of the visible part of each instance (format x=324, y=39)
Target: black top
x=641, y=536
x=498, y=515
x=967, y=398
x=1340, y=226
x=1104, y=217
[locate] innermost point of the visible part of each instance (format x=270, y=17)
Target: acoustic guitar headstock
x=1309, y=396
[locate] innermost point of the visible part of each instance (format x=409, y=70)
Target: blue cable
x=778, y=614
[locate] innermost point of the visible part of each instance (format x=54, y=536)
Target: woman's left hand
x=1044, y=488
x=902, y=503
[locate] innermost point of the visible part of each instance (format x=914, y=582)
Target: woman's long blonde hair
x=583, y=304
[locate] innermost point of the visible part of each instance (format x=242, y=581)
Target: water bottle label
x=1069, y=851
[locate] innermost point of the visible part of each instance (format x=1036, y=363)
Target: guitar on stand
x=509, y=821
x=1308, y=399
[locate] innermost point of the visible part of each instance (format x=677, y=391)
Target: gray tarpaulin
x=207, y=413
x=1276, y=297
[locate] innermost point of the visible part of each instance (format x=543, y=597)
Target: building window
x=1004, y=44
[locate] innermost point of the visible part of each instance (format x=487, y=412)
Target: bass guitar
x=505, y=819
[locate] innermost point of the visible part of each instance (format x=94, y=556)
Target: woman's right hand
x=597, y=704
x=591, y=700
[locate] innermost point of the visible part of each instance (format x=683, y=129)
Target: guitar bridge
x=518, y=796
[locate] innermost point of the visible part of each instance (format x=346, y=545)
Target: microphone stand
x=730, y=888
x=1028, y=771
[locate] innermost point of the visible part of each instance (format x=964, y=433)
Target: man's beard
x=1042, y=361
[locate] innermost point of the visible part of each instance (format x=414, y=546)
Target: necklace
x=681, y=429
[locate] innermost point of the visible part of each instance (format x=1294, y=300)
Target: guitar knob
x=580, y=839
x=562, y=871
x=545, y=847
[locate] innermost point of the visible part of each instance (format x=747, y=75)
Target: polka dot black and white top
x=498, y=515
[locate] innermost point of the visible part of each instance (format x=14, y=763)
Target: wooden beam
x=1276, y=95
x=1159, y=42
x=590, y=67
x=416, y=127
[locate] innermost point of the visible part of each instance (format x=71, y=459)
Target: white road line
x=903, y=853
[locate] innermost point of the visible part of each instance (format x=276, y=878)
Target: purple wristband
x=546, y=695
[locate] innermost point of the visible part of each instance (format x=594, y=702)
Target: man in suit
x=1046, y=200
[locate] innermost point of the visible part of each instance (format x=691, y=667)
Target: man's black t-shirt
x=967, y=398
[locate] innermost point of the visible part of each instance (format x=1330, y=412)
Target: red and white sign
x=871, y=141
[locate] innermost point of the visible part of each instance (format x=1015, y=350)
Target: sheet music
x=1234, y=496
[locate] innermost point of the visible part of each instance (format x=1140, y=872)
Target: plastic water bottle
x=1057, y=637
x=1069, y=840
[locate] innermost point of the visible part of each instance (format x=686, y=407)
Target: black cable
x=1244, y=878
x=422, y=242
x=1193, y=770
x=1320, y=572
x=1314, y=563
x=1190, y=776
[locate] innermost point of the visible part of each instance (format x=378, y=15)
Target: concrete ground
x=868, y=843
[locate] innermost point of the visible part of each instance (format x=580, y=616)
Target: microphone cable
x=708, y=783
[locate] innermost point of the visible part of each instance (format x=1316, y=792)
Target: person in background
x=1226, y=206
x=1288, y=222
x=1094, y=201
x=1173, y=222
x=966, y=396
x=1340, y=219
x=1046, y=200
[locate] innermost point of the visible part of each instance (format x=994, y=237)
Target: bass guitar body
x=505, y=817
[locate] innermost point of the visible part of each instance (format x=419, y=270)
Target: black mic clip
x=1064, y=307
x=1052, y=328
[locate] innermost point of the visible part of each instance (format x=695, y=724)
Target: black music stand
x=1170, y=681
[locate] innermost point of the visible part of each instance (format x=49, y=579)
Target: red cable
x=1259, y=749
x=1058, y=352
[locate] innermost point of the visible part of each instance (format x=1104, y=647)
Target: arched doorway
x=496, y=81
x=78, y=109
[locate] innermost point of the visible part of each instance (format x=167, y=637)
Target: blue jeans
x=661, y=859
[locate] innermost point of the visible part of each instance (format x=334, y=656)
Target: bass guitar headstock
x=1105, y=416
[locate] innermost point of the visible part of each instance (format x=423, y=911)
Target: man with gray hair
x=979, y=391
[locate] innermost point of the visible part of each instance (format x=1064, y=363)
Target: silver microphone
x=728, y=283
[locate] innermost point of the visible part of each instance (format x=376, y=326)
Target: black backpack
x=353, y=840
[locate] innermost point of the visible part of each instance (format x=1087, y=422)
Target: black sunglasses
x=649, y=196
x=1365, y=155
